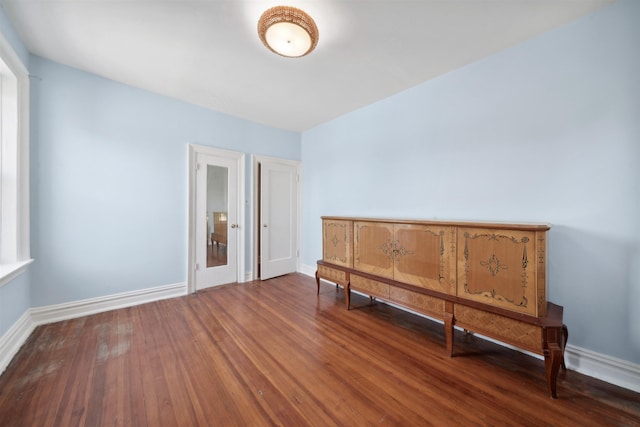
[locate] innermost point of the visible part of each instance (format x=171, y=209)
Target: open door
x=278, y=217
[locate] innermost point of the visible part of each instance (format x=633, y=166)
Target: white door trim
x=255, y=161
x=194, y=150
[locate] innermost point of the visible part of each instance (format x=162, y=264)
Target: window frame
x=15, y=253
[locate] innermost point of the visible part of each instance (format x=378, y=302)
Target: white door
x=278, y=218
x=216, y=220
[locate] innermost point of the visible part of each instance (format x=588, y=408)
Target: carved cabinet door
x=337, y=238
x=373, y=248
x=499, y=267
x=424, y=255
x=416, y=254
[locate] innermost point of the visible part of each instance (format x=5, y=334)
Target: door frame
x=255, y=161
x=239, y=157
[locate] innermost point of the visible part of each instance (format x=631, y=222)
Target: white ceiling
x=207, y=52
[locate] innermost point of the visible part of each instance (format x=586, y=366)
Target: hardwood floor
x=273, y=353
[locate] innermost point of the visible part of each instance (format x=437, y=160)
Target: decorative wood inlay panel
x=373, y=246
x=371, y=287
x=429, y=257
x=523, y=334
x=541, y=272
x=419, y=302
x=333, y=275
x=337, y=240
x=494, y=268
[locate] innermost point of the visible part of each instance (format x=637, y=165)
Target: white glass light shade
x=288, y=39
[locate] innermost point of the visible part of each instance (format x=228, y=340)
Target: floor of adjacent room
x=275, y=353
x=216, y=255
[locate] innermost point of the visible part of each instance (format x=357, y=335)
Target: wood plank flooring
x=273, y=353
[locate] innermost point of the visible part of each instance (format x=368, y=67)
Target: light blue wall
x=548, y=131
x=15, y=295
x=14, y=301
x=109, y=182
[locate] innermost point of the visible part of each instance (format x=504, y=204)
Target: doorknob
x=234, y=225
x=265, y=226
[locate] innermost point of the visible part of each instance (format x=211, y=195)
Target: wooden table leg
x=318, y=283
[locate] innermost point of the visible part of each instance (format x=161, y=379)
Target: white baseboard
x=601, y=366
x=16, y=336
x=70, y=310
x=309, y=270
x=13, y=339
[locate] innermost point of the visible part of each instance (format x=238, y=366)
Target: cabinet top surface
x=477, y=224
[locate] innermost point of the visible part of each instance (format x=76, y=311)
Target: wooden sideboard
x=487, y=278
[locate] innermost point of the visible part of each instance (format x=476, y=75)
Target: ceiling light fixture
x=288, y=31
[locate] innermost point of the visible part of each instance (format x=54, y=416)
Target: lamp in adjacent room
x=288, y=31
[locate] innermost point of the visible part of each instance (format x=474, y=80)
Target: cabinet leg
x=565, y=332
x=347, y=295
x=448, y=326
x=448, y=332
x=552, y=360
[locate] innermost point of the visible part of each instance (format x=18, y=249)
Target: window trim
x=17, y=256
x=8, y=272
